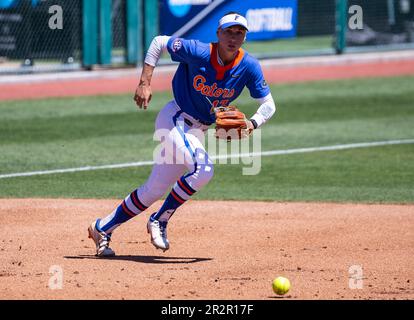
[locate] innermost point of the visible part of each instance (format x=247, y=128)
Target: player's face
x=232, y=38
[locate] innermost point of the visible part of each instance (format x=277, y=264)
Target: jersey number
x=221, y=103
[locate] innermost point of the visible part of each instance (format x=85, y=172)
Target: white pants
x=181, y=137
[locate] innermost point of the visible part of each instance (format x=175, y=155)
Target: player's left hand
x=143, y=95
x=231, y=123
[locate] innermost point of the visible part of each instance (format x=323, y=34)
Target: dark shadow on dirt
x=145, y=259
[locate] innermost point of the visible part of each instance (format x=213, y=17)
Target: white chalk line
x=238, y=155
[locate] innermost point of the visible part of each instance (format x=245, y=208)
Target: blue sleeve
x=257, y=84
x=187, y=51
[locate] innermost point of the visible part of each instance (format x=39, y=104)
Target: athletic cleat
x=101, y=240
x=158, y=233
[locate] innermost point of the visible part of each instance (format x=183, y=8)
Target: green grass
x=289, y=45
x=74, y=132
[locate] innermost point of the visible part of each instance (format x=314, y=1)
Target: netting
x=48, y=30
x=316, y=18
x=383, y=22
x=118, y=20
x=31, y=32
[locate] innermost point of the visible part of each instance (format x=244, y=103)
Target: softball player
x=208, y=76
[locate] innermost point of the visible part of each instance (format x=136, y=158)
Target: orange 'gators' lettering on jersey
x=201, y=83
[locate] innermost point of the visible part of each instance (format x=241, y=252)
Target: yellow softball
x=281, y=285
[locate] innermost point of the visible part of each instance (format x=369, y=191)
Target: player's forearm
x=154, y=52
x=146, y=74
x=266, y=110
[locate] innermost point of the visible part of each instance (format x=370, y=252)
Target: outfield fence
x=51, y=35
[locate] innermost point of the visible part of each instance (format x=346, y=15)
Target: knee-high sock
x=129, y=208
x=180, y=193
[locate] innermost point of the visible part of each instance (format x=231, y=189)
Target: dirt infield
x=219, y=250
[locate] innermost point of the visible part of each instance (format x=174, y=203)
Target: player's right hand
x=143, y=95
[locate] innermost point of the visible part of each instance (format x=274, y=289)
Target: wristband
x=254, y=123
